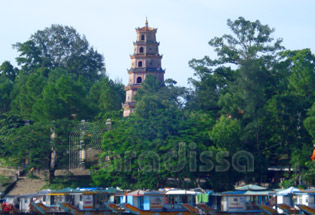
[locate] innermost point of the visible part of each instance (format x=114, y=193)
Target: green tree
x=27, y=91
x=62, y=79
x=8, y=75
x=61, y=47
x=6, y=88
x=41, y=145
x=240, y=80
x=150, y=131
x=106, y=97
x=302, y=73
x=28, y=144
x=226, y=133
x=7, y=70
x=309, y=122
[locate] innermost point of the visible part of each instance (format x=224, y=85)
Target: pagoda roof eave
x=146, y=56
x=143, y=29
x=146, y=70
x=141, y=42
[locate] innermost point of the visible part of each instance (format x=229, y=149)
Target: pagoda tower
x=145, y=60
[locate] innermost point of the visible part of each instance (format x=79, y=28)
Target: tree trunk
x=52, y=165
x=51, y=175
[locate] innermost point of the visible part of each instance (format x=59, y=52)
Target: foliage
x=255, y=98
x=8, y=71
x=309, y=122
x=61, y=47
x=5, y=91
x=264, y=89
x=106, y=96
x=41, y=102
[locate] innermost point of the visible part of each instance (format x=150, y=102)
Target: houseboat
x=158, y=203
x=286, y=200
x=73, y=201
x=305, y=201
x=246, y=199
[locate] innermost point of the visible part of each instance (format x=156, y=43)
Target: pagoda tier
x=145, y=60
x=150, y=56
x=146, y=70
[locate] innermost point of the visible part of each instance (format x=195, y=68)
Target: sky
x=184, y=26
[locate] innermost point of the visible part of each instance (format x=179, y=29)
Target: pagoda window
x=139, y=80
x=141, y=49
x=142, y=37
x=140, y=64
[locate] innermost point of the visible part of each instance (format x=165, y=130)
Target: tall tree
x=61, y=47
x=6, y=87
x=27, y=90
x=240, y=81
x=252, y=51
x=147, y=135
x=8, y=75
x=7, y=70
x=302, y=73
x=106, y=97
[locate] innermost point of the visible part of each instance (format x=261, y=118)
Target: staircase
x=26, y=185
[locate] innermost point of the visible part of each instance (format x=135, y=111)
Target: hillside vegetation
x=250, y=108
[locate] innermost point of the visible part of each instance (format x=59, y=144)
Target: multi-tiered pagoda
x=145, y=60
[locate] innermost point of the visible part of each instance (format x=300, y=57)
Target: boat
x=306, y=209
x=40, y=208
x=78, y=201
x=268, y=210
x=143, y=202
x=287, y=209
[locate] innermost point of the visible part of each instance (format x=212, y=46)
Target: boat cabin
x=244, y=201
x=26, y=200
x=146, y=200
x=306, y=197
x=287, y=197
x=175, y=197
x=83, y=198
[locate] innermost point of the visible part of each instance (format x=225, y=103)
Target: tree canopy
x=61, y=80
x=61, y=47
x=247, y=111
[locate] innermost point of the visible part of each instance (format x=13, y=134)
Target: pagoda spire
x=146, y=22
